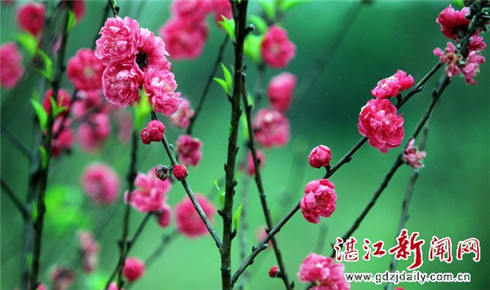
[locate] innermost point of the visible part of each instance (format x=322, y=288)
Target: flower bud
x=274, y=272
x=180, y=171
x=161, y=171
x=320, y=156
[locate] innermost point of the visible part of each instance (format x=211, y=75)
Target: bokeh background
x=450, y=197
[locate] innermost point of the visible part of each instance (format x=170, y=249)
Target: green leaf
x=252, y=47
x=236, y=216
x=228, y=78
x=269, y=9
x=244, y=127
x=459, y=3
x=72, y=20
x=141, y=110
x=229, y=26
x=29, y=42
x=223, y=84
x=259, y=23
x=34, y=212
x=44, y=157
x=288, y=4
x=221, y=193
x=42, y=116
x=47, y=71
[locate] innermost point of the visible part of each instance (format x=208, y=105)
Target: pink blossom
x=262, y=234
x=280, y=91
x=30, y=17
x=451, y=58
x=181, y=117
x=250, y=161
x=392, y=86
x=179, y=171
x=319, y=200
x=150, y=193
x=62, y=277
x=11, y=69
x=78, y=8
x=274, y=271
x=133, y=269
x=85, y=70
x=189, y=150
x=63, y=136
x=323, y=272
x=90, y=250
x=187, y=218
x=472, y=67
x=121, y=83
x=191, y=11
x=271, y=128
x=92, y=134
x=412, y=156
x=453, y=22
x=184, y=41
x=153, y=132
x=113, y=286
x=86, y=101
x=118, y=41
x=222, y=8
x=320, y=156
x=124, y=122
x=379, y=122
x=476, y=43
x=63, y=99
x=276, y=49
x=164, y=216
x=41, y=286
x=101, y=183
x=151, y=52
x=160, y=86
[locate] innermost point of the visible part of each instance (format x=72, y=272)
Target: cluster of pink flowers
x=323, y=272
x=181, y=118
x=135, y=58
x=280, y=91
x=319, y=200
x=11, y=69
x=30, y=17
x=150, y=194
x=187, y=218
x=153, y=132
x=90, y=250
x=454, y=25
x=101, y=183
x=186, y=32
x=271, y=128
x=412, y=156
x=392, y=86
x=133, y=269
x=189, y=150
x=276, y=48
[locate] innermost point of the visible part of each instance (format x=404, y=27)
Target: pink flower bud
x=180, y=171
x=250, y=162
x=164, y=216
x=274, y=272
x=153, y=131
x=412, y=156
x=320, y=156
x=133, y=269
x=63, y=99
x=161, y=171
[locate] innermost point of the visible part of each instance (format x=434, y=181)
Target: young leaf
x=29, y=42
x=269, y=9
x=44, y=157
x=229, y=26
x=47, y=71
x=244, y=127
x=223, y=84
x=72, y=20
x=216, y=185
x=42, y=116
x=288, y=4
x=141, y=110
x=236, y=216
x=228, y=78
x=459, y=3
x=259, y=23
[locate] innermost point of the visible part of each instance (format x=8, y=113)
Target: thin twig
x=243, y=228
x=11, y=195
x=17, y=144
x=114, y=7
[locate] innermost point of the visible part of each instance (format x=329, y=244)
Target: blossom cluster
x=323, y=272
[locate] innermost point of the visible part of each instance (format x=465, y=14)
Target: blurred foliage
x=450, y=198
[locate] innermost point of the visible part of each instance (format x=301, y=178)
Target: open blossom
x=412, y=156
x=453, y=22
x=160, y=86
x=184, y=41
x=271, y=128
x=63, y=139
x=472, y=67
x=250, y=161
x=133, y=269
x=101, y=183
x=152, y=132
x=451, y=57
x=320, y=156
x=276, y=48
x=189, y=150
x=63, y=100
x=280, y=91
x=90, y=250
x=30, y=17
x=323, y=272
x=191, y=10
x=118, y=41
x=164, y=216
x=319, y=200
x=62, y=277
x=151, y=52
x=392, y=86
x=181, y=118
x=187, y=218
x=11, y=69
x=121, y=83
x=150, y=193
x=379, y=122
x=92, y=134
x=85, y=70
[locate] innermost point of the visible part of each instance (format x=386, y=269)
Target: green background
x=450, y=198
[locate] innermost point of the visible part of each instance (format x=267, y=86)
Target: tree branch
x=11, y=195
